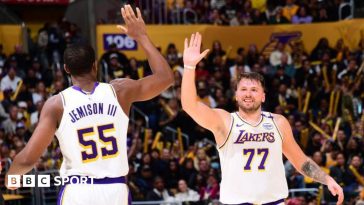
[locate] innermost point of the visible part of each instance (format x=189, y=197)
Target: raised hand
x=134, y=25
x=191, y=53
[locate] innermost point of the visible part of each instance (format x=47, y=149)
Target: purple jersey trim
x=83, y=92
x=60, y=195
x=106, y=180
x=270, y=203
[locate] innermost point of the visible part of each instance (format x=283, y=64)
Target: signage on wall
x=122, y=42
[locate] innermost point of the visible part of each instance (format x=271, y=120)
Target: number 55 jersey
x=92, y=133
x=251, y=163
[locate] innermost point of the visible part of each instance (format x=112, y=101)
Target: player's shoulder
x=54, y=103
x=120, y=82
x=225, y=115
x=124, y=84
x=53, y=107
x=280, y=120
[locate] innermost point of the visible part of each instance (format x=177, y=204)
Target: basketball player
x=250, y=142
x=90, y=120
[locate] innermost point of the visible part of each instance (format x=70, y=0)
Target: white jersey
x=92, y=133
x=251, y=163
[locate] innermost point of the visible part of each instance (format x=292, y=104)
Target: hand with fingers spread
x=191, y=53
x=134, y=25
x=335, y=190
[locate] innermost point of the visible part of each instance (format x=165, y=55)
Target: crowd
x=239, y=12
x=320, y=92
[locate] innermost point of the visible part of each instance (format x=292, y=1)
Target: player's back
x=92, y=133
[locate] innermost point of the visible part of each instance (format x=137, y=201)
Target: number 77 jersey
x=92, y=133
x=251, y=162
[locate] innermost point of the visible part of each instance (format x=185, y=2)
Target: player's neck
x=85, y=83
x=251, y=117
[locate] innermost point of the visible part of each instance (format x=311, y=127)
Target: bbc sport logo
x=45, y=180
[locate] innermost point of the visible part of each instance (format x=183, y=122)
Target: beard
x=255, y=107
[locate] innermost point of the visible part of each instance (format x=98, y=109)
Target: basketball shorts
x=110, y=191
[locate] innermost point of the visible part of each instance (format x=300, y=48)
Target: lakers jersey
x=251, y=162
x=92, y=133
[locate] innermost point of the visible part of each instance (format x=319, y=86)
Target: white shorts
x=94, y=194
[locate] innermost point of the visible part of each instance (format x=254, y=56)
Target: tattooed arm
x=301, y=162
x=312, y=170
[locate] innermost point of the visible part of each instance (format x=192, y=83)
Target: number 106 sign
x=122, y=42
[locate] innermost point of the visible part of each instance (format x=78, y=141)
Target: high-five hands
x=134, y=25
x=191, y=53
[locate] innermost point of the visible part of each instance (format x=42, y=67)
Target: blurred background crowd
x=238, y=12
x=170, y=156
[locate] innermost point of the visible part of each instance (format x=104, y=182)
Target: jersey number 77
x=251, y=153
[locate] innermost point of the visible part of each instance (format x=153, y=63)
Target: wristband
x=190, y=67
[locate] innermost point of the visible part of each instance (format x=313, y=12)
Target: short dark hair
x=251, y=76
x=79, y=59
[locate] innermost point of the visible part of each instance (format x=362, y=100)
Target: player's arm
x=211, y=119
x=41, y=138
x=301, y=162
x=162, y=77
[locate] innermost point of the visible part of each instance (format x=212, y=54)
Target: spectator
x=290, y=9
x=116, y=69
x=217, y=4
x=169, y=113
x=172, y=55
x=252, y=56
x=211, y=190
x=361, y=199
x=215, y=17
x=278, y=17
x=229, y=12
x=34, y=117
x=276, y=56
x=40, y=93
x=350, y=180
x=21, y=60
x=173, y=175
x=302, y=16
x=322, y=15
x=216, y=51
x=204, y=95
x=185, y=194
x=159, y=193
x=338, y=171
x=188, y=172
x=350, y=72
x=9, y=124
x=258, y=18
x=10, y=81
x=321, y=48
x=314, y=145
x=105, y=59
x=288, y=68
x=202, y=74
x=2, y=57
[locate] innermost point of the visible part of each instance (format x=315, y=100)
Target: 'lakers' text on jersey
x=251, y=162
x=92, y=133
